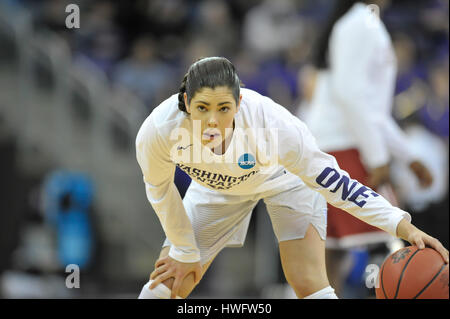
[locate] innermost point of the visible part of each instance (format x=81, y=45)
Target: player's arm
x=398, y=144
x=158, y=172
x=321, y=172
x=380, y=78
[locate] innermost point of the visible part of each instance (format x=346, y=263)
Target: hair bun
x=181, y=104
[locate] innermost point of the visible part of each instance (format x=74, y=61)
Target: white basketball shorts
x=221, y=220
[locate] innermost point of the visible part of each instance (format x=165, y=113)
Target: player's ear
x=188, y=109
x=238, y=106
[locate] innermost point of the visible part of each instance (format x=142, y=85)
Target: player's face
x=215, y=110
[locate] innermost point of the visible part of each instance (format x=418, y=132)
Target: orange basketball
x=411, y=273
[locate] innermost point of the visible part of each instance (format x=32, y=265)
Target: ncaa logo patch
x=246, y=161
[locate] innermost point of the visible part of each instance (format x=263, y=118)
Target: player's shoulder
x=163, y=118
x=250, y=95
x=355, y=14
x=254, y=107
x=263, y=111
x=360, y=19
x=167, y=111
x=255, y=101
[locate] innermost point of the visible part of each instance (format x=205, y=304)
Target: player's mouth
x=211, y=135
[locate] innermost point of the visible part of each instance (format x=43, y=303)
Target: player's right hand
x=168, y=267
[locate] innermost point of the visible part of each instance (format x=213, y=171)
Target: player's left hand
x=415, y=236
x=421, y=240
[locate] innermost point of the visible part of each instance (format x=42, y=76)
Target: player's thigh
x=304, y=256
x=188, y=283
x=303, y=262
x=299, y=221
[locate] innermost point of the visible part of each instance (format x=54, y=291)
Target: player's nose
x=212, y=121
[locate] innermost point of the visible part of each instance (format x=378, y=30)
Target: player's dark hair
x=320, y=59
x=208, y=72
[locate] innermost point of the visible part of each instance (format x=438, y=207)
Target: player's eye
x=224, y=109
x=201, y=108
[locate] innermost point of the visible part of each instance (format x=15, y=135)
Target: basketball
x=411, y=273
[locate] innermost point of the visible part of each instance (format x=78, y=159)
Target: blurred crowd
x=146, y=46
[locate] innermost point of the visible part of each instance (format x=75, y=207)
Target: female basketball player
x=239, y=147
